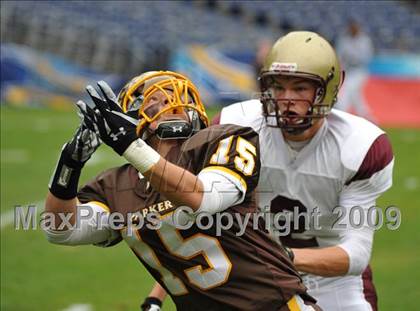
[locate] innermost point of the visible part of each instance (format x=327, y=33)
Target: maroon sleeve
x=377, y=158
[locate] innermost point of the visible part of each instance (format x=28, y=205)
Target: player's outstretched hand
x=86, y=139
x=116, y=129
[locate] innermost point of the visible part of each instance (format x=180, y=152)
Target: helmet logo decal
x=290, y=67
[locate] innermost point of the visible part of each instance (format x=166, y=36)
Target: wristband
x=289, y=253
x=149, y=301
x=65, y=179
x=141, y=155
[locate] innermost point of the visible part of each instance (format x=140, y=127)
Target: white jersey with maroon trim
x=348, y=163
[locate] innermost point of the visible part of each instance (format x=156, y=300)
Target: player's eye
x=277, y=87
x=153, y=99
x=300, y=88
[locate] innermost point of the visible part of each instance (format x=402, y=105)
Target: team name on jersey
x=160, y=208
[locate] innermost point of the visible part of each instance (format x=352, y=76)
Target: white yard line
x=7, y=218
x=14, y=156
x=79, y=307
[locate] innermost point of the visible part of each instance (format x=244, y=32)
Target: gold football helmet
x=181, y=95
x=306, y=55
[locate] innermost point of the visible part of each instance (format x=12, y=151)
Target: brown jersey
x=201, y=268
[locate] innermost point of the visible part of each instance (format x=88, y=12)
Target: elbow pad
x=219, y=193
x=91, y=227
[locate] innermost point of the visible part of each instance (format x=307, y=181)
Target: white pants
x=338, y=293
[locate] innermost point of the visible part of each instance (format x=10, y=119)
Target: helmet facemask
x=177, y=95
x=277, y=118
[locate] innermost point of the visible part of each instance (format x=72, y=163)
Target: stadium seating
x=130, y=36
x=390, y=23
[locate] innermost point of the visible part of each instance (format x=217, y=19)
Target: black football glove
x=151, y=304
x=116, y=129
x=74, y=155
x=86, y=139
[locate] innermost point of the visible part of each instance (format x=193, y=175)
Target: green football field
x=36, y=275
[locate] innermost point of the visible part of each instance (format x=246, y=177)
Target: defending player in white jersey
x=321, y=160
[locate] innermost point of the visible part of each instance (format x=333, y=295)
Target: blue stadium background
x=51, y=49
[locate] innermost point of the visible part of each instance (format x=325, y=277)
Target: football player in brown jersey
x=194, y=179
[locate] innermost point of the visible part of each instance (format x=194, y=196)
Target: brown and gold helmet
x=183, y=95
x=306, y=55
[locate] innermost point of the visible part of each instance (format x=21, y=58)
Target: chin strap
x=297, y=130
x=176, y=129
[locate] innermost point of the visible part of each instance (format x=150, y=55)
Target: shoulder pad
x=242, y=113
x=215, y=133
x=355, y=136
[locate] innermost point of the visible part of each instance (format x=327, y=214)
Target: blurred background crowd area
x=51, y=49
